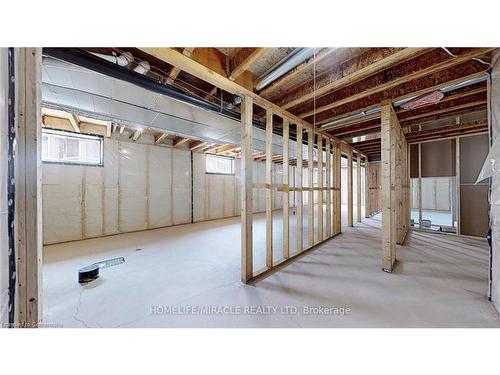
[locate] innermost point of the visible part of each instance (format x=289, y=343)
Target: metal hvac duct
x=293, y=59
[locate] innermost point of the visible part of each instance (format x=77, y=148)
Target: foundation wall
x=141, y=186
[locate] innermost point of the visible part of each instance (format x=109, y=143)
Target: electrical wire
x=474, y=58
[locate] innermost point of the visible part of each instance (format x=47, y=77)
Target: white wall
x=141, y=186
x=437, y=193
x=4, y=263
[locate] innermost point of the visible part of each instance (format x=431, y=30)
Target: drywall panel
x=160, y=186
x=474, y=210
x=473, y=198
x=181, y=185
x=438, y=158
x=473, y=152
x=132, y=187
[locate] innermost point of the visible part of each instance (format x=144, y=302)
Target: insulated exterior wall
x=141, y=186
x=4, y=257
x=134, y=190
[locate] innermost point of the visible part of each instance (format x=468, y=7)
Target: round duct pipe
x=123, y=60
x=288, y=63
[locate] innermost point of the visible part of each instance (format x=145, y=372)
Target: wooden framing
x=457, y=183
x=350, y=202
x=310, y=180
x=28, y=186
x=358, y=179
x=286, y=194
x=249, y=98
x=395, y=186
x=247, y=63
x=246, y=189
x=367, y=189
x=300, y=180
x=368, y=68
x=337, y=211
x=320, y=185
x=328, y=183
x=160, y=137
x=269, y=188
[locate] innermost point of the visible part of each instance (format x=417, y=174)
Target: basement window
x=216, y=164
x=71, y=148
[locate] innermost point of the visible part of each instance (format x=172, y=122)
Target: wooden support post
x=395, y=185
x=28, y=186
x=246, y=189
x=269, y=189
x=300, y=183
x=319, y=140
x=457, y=184
x=358, y=174
x=328, y=191
x=310, y=199
x=286, y=194
x=367, y=189
x=337, y=209
x=350, y=202
x=420, y=185
x=387, y=185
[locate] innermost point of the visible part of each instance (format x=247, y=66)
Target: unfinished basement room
x=250, y=187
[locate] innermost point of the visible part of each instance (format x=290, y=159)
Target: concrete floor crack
x=75, y=315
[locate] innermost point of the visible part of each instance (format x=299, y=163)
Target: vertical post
x=388, y=186
x=269, y=188
x=420, y=185
x=328, y=190
x=246, y=189
x=320, y=186
x=358, y=174
x=350, y=202
x=300, y=184
x=28, y=186
x=457, y=183
x=367, y=189
x=286, y=192
x=310, y=200
x=337, y=209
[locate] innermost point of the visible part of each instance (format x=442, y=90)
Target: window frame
x=221, y=157
x=68, y=134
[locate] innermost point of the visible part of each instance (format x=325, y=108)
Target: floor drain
x=90, y=273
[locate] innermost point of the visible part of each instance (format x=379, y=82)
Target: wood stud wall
x=395, y=186
x=328, y=167
x=28, y=186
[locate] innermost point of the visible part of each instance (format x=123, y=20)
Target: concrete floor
x=440, y=281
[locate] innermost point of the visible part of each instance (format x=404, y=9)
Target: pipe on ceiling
x=399, y=103
x=298, y=56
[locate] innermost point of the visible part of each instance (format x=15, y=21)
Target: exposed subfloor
x=440, y=281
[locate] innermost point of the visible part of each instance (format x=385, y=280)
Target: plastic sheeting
x=140, y=186
x=491, y=169
x=4, y=258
